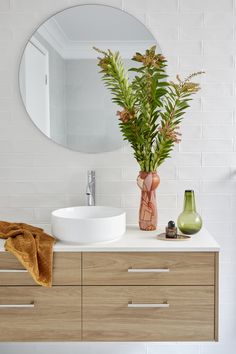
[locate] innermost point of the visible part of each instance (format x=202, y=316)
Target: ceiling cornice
x=69, y=49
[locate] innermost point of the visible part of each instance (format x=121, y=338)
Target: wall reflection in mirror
x=59, y=78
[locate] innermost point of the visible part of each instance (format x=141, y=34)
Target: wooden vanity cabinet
x=121, y=313
x=29, y=312
x=66, y=269
x=113, y=296
x=136, y=296
x=153, y=268
x=33, y=313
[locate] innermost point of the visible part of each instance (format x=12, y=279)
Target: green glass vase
x=189, y=221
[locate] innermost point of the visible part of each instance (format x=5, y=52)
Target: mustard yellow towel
x=32, y=247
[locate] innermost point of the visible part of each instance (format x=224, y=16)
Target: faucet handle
x=91, y=175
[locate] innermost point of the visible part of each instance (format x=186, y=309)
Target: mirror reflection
x=59, y=78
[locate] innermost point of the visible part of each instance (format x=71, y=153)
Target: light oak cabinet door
x=148, y=313
x=144, y=268
x=34, y=313
x=66, y=269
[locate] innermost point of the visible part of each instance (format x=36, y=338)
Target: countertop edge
x=135, y=240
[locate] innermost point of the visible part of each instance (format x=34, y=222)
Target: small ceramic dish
x=180, y=237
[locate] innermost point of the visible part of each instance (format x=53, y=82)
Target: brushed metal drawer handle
x=150, y=270
x=164, y=305
x=13, y=271
x=17, y=305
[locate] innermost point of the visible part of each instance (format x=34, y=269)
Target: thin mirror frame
x=123, y=143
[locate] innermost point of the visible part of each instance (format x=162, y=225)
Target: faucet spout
x=90, y=190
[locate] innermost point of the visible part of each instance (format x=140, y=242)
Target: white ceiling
x=74, y=31
x=100, y=23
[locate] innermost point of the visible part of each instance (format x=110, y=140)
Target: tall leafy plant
x=151, y=106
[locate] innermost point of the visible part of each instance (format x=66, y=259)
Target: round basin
x=88, y=224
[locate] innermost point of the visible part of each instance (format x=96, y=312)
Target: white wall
x=37, y=175
x=89, y=111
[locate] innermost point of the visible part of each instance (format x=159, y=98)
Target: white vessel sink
x=88, y=224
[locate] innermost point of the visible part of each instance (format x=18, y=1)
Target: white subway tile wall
x=37, y=176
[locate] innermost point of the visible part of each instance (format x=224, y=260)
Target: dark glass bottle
x=189, y=221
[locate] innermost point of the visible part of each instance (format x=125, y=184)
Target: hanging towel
x=32, y=247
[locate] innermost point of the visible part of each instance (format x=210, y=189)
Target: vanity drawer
x=39, y=314
x=148, y=313
x=142, y=268
x=66, y=269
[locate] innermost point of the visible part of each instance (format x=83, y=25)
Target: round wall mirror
x=59, y=78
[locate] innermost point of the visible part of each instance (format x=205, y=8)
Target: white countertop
x=135, y=240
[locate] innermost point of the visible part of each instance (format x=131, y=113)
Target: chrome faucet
x=90, y=190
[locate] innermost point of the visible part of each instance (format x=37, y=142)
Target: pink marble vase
x=148, y=182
